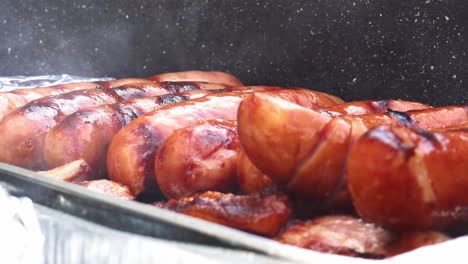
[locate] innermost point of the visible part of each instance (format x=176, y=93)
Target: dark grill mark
x=180, y=86
x=171, y=99
x=379, y=106
x=401, y=117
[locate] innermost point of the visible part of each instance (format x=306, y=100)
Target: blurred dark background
x=355, y=49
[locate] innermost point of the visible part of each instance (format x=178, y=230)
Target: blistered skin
x=408, y=179
x=259, y=214
x=198, y=158
x=131, y=155
x=23, y=130
x=86, y=134
x=339, y=234
x=198, y=76
x=108, y=187
x=314, y=144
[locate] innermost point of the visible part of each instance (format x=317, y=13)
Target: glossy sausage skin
x=23, y=130
x=198, y=76
x=249, y=178
x=198, y=158
x=410, y=179
x=259, y=214
x=314, y=144
x=371, y=107
x=10, y=101
x=87, y=133
x=338, y=234
x=131, y=155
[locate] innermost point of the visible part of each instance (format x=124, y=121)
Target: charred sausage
x=198, y=158
x=86, y=134
x=31, y=122
x=410, y=179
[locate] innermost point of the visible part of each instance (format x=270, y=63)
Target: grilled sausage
x=259, y=214
x=31, y=122
x=249, y=178
x=410, y=179
x=198, y=76
x=198, y=158
x=9, y=101
x=86, y=134
x=338, y=234
x=131, y=155
x=314, y=144
x=206, y=156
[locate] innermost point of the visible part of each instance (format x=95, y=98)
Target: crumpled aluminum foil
x=21, y=240
x=14, y=82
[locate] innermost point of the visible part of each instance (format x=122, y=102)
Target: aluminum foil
x=21, y=240
x=14, y=82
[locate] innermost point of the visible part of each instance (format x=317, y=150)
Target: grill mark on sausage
x=177, y=87
x=401, y=117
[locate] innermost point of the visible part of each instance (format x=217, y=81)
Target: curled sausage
x=409, y=179
x=86, y=134
x=313, y=145
x=259, y=214
x=198, y=158
x=131, y=155
x=30, y=123
x=338, y=234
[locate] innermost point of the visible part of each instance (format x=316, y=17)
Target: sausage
x=131, y=155
x=9, y=101
x=198, y=76
x=259, y=214
x=410, y=179
x=249, y=178
x=314, y=144
x=198, y=158
x=30, y=123
x=338, y=234
x=108, y=187
x=86, y=134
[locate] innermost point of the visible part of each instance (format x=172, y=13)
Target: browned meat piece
x=341, y=234
x=75, y=171
x=259, y=214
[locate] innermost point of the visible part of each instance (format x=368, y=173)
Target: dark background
x=355, y=49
